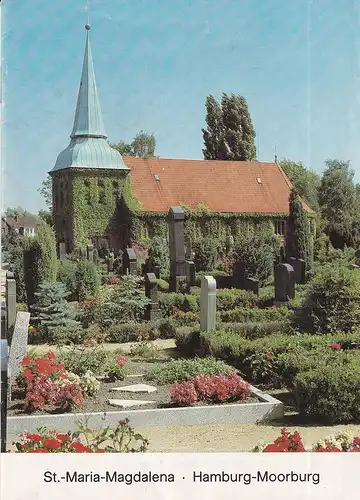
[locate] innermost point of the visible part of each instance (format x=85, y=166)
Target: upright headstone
x=19, y=344
x=110, y=264
x=284, y=283
x=157, y=271
x=208, y=303
x=190, y=272
x=252, y=284
x=90, y=253
x=299, y=270
x=229, y=243
x=10, y=301
x=83, y=254
x=62, y=251
x=176, y=218
x=96, y=256
x=4, y=393
x=129, y=262
x=153, y=311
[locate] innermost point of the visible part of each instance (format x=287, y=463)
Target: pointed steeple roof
x=88, y=147
x=88, y=119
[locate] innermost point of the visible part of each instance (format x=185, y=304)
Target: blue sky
x=296, y=62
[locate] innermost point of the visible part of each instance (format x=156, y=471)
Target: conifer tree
x=298, y=237
x=230, y=134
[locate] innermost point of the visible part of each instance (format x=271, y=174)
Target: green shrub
x=40, y=261
x=145, y=350
x=332, y=302
x=163, y=286
x=184, y=302
x=186, y=319
x=131, y=332
x=21, y=307
x=179, y=370
x=230, y=299
x=243, y=315
x=79, y=360
x=257, y=330
x=66, y=274
x=158, y=255
x=188, y=342
x=167, y=328
x=205, y=250
x=86, y=280
x=330, y=394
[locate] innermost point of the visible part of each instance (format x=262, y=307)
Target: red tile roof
x=223, y=186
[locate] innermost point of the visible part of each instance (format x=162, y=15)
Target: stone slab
x=135, y=375
x=128, y=403
x=19, y=343
x=136, y=388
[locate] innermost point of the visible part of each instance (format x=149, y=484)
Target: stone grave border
x=266, y=410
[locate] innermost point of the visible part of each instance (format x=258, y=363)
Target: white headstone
x=207, y=303
x=19, y=343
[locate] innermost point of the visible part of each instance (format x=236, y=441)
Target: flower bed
x=292, y=442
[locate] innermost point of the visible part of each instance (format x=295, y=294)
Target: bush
x=258, y=330
x=158, y=255
x=205, y=251
x=230, y=299
x=40, y=260
x=145, y=350
x=179, y=370
x=186, y=319
x=79, y=360
x=184, y=302
x=242, y=315
x=86, y=280
x=329, y=394
x=163, y=285
x=332, y=302
x=131, y=332
x=188, y=342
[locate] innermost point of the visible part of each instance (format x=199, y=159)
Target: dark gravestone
x=129, y=262
x=153, y=311
x=252, y=285
x=19, y=344
x=299, y=270
x=176, y=218
x=4, y=393
x=157, y=271
x=224, y=282
x=239, y=276
x=62, y=251
x=96, y=256
x=190, y=272
x=10, y=301
x=90, y=253
x=284, y=283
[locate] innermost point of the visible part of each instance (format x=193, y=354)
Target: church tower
x=89, y=176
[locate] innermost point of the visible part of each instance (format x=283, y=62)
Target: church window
x=279, y=227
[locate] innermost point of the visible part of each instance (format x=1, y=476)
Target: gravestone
x=110, y=264
x=229, y=243
x=96, y=256
x=207, y=303
x=190, y=272
x=129, y=262
x=4, y=393
x=153, y=311
x=62, y=251
x=252, y=285
x=19, y=344
x=90, y=253
x=176, y=218
x=10, y=294
x=284, y=283
x=83, y=254
x=299, y=270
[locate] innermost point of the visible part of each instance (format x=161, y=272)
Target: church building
x=111, y=201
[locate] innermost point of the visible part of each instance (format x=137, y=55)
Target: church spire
x=88, y=119
x=88, y=146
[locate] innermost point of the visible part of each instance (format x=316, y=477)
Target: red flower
x=100, y=451
x=335, y=347
x=63, y=438
x=26, y=361
x=51, y=355
x=39, y=450
x=52, y=443
x=80, y=448
x=35, y=438
x=268, y=355
x=121, y=360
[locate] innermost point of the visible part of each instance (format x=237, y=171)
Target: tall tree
x=46, y=192
x=306, y=182
x=298, y=236
x=143, y=145
x=338, y=200
x=17, y=211
x=230, y=134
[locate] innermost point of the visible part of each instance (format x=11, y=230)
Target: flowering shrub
x=175, y=311
x=31, y=329
x=292, y=442
x=47, y=382
x=113, y=281
x=214, y=389
x=88, y=383
x=118, y=440
x=115, y=369
x=335, y=347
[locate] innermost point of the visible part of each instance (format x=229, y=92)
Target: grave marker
x=190, y=272
x=19, y=344
x=62, y=251
x=284, y=283
x=299, y=270
x=110, y=264
x=207, y=303
x=176, y=218
x=90, y=253
x=129, y=262
x=153, y=311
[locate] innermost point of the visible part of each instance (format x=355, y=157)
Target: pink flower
x=335, y=347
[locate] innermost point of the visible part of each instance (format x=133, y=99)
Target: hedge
x=242, y=314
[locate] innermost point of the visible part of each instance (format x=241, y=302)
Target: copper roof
x=223, y=186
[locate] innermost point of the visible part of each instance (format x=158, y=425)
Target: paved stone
x=134, y=375
x=128, y=403
x=136, y=388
